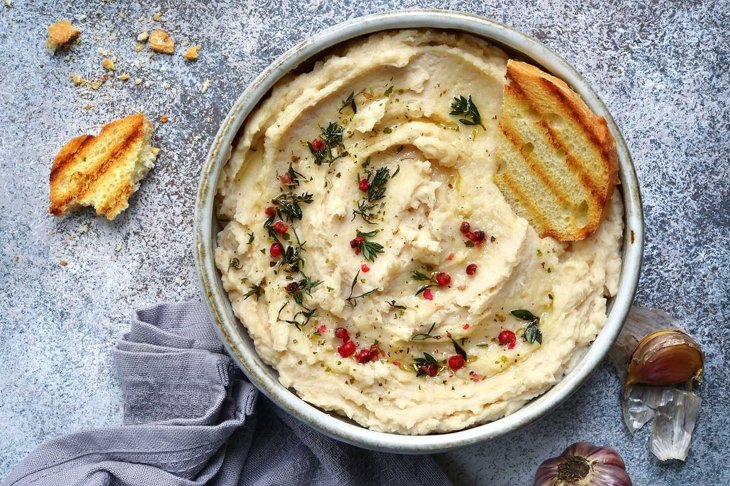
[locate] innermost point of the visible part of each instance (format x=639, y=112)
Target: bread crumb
x=61, y=34
x=63, y=262
x=206, y=85
x=138, y=81
x=88, y=107
x=164, y=119
x=143, y=36
x=96, y=84
x=157, y=17
x=161, y=41
x=119, y=247
x=76, y=78
x=137, y=47
x=123, y=77
x=8, y=3
x=83, y=228
x=108, y=64
x=192, y=53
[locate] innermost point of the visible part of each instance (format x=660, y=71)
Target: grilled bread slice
x=103, y=171
x=556, y=160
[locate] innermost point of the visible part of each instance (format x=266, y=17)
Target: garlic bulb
x=665, y=357
x=583, y=464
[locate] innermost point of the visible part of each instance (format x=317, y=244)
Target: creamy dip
x=374, y=262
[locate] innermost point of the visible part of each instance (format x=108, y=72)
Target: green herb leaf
x=388, y=91
x=426, y=335
x=370, y=249
x=466, y=107
x=288, y=206
x=251, y=237
x=333, y=134
x=256, y=291
x=532, y=334
x=523, y=314
x=459, y=350
x=352, y=299
x=349, y=101
x=234, y=263
x=395, y=305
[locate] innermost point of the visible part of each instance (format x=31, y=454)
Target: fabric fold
x=191, y=418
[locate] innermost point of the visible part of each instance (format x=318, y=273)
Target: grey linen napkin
x=191, y=418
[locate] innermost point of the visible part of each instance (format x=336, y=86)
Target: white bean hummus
x=371, y=257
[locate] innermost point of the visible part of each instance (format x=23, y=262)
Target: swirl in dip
x=371, y=257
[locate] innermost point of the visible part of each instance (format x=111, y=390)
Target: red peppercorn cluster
x=356, y=244
x=318, y=144
x=471, y=269
x=348, y=348
x=364, y=185
x=477, y=236
x=456, y=362
x=443, y=279
x=430, y=369
x=280, y=227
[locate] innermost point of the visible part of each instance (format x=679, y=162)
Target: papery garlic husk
x=583, y=464
x=665, y=357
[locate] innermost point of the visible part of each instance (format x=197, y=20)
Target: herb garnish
x=370, y=249
x=352, y=299
x=256, y=290
x=388, y=91
x=288, y=204
x=466, y=107
x=306, y=315
x=234, y=263
x=422, y=364
x=532, y=333
x=349, y=101
x=303, y=286
x=459, y=350
x=332, y=136
x=420, y=277
x=396, y=305
x=423, y=336
x=376, y=191
x=293, y=176
x=251, y=237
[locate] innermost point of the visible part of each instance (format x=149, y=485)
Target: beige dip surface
x=439, y=174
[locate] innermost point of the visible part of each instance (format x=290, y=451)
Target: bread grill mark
x=527, y=201
x=535, y=165
x=83, y=182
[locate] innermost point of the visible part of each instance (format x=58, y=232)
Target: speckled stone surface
x=661, y=67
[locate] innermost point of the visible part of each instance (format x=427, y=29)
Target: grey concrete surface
x=661, y=68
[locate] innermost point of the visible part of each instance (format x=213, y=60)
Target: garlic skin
x=583, y=464
x=665, y=357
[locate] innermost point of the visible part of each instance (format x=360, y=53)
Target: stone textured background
x=661, y=67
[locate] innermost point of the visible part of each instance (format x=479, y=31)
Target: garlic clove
x=665, y=357
x=583, y=464
x=674, y=422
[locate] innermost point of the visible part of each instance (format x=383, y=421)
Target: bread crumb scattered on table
x=206, y=85
x=143, y=36
x=192, y=53
x=108, y=64
x=61, y=34
x=161, y=41
x=63, y=262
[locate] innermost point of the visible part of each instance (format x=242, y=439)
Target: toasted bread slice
x=103, y=171
x=556, y=160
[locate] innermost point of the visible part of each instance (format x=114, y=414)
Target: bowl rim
x=239, y=344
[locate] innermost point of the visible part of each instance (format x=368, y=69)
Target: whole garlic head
x=583, y=464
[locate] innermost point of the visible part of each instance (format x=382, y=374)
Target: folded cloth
x=191, y=418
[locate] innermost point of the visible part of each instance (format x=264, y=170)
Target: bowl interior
x=234, y=335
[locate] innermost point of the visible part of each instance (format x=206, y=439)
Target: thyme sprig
x=459, y=350
x=256, y=291
x=420, y=363
x=419, y=276
x=466, y=107
x=305, y=316
x=352, y=299
x=396, y=305
x=288, y=204
x=294, y=176
x=532, y=333
x=332, y=135
x=234, y=263
x=349, y=101
x=299, y=288
x=377, y=183
x=370, y=249
x=427, y=335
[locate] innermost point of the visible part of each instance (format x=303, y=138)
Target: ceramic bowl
x=237, y=340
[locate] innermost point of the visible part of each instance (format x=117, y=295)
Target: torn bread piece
x=161, y=41
x=61, y=34
x=104, y=170
x=556, y=159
